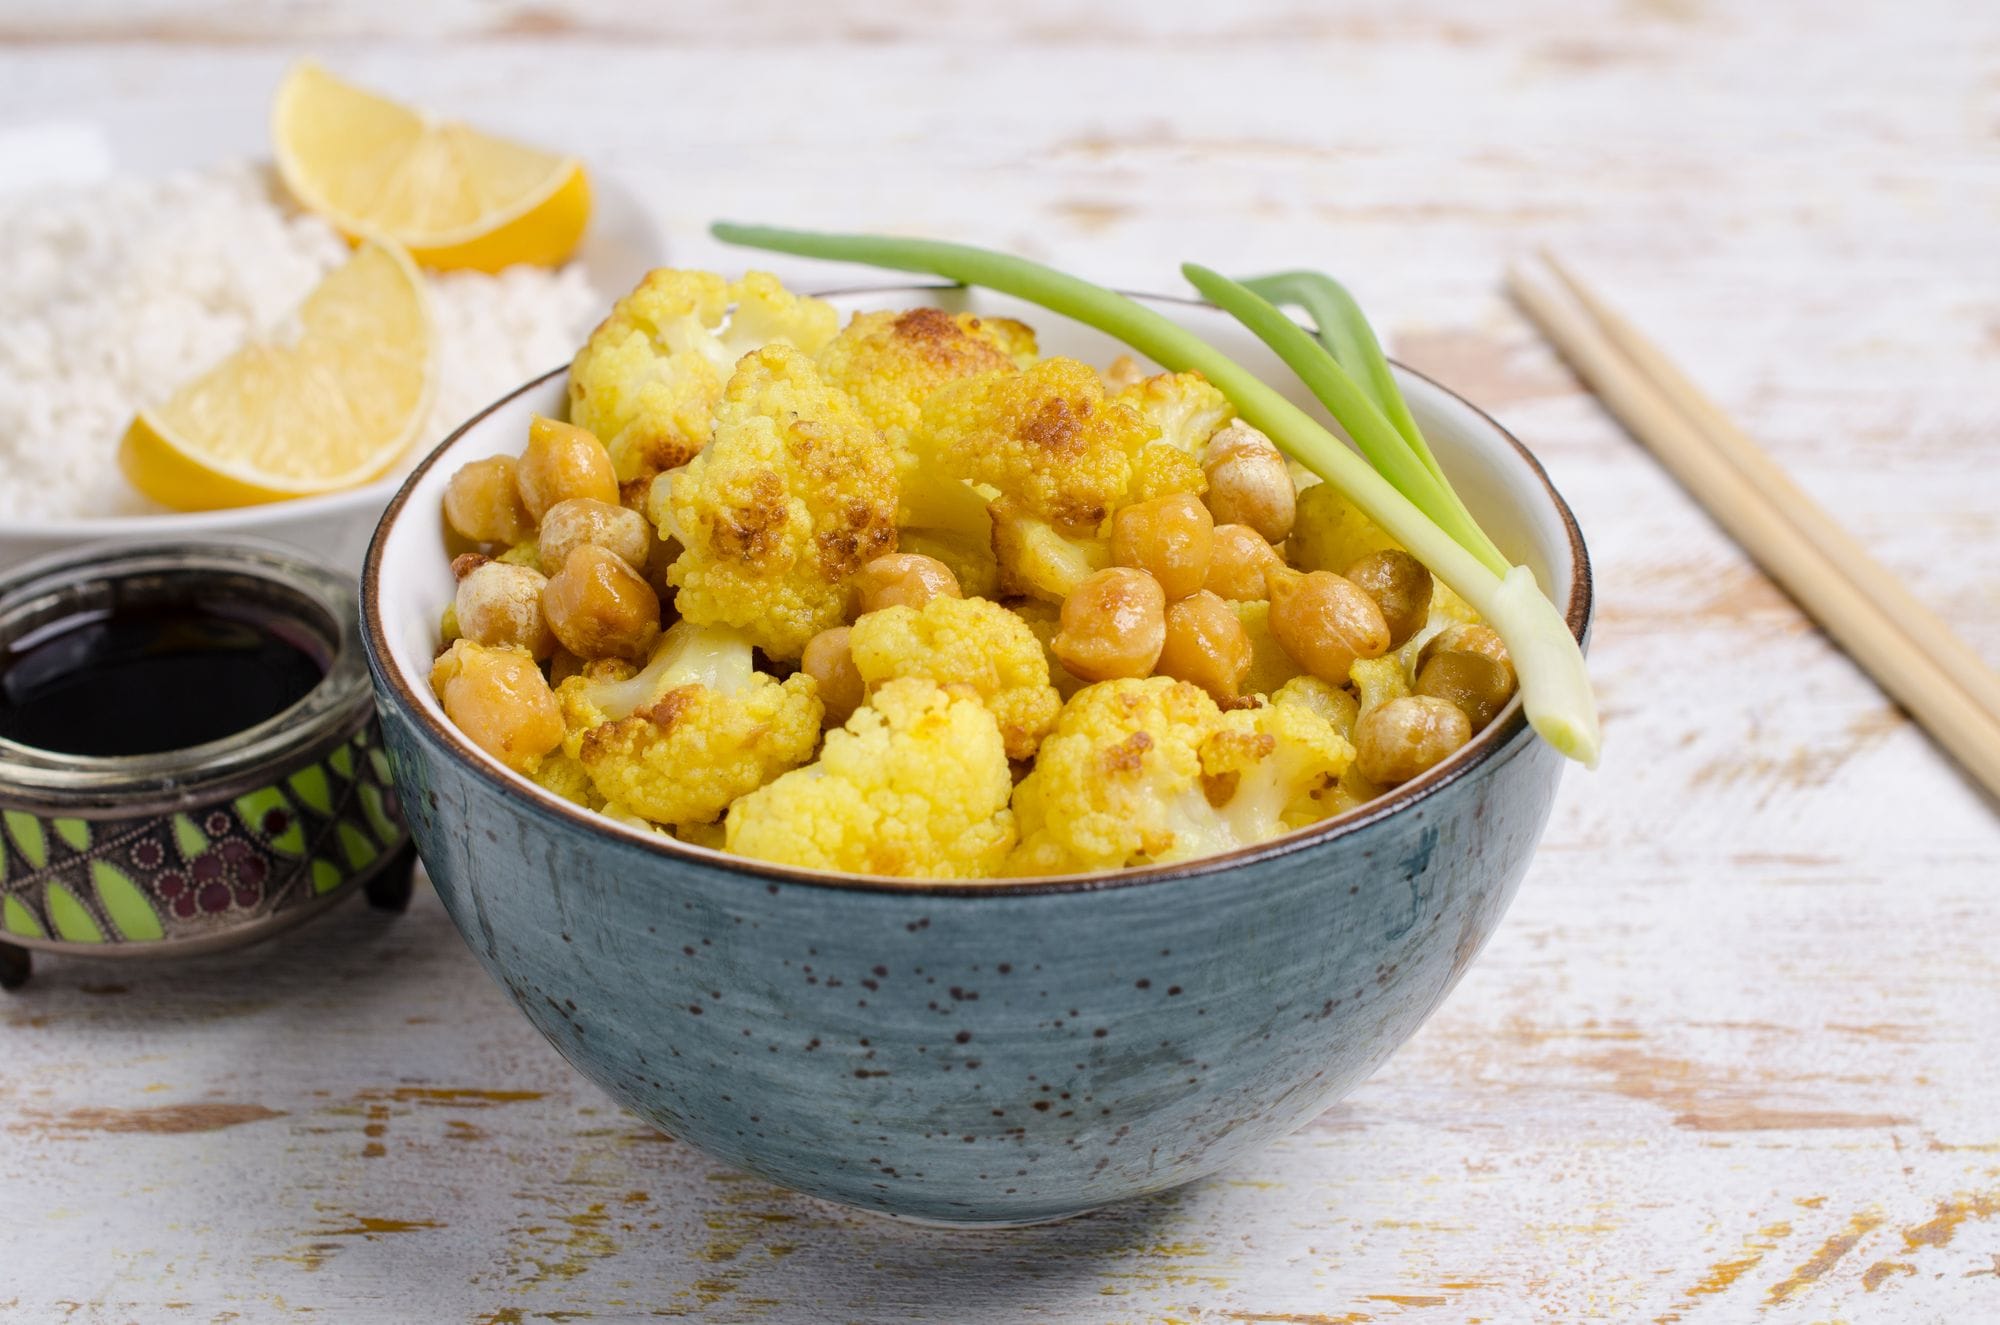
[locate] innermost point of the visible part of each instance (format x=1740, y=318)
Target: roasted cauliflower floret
x=794, y=493
x=1183, y=408
x=1151, y=771
x=1119, y=781
x=648, y=380
x=964, y=641
x=704, y=728
x=1265, y=765
x=1049, y=438
x=890, y=363
x=915, y=786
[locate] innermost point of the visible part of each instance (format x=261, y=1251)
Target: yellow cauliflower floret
x=1048, y=438
x=1184, y=409
x=1149, y=772
x=647, y=381
x=915, y=786
x=890, y=363
x=1265, y=765
x=1119, y=781
x=1044, y=618
x=677, y=741
x=794, y=493
x=564, y=774
x=1037, y=560
x=970, y=642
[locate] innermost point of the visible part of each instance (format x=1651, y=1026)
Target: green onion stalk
x=1555, y=689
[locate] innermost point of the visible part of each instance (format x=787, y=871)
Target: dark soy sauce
x=147, y=677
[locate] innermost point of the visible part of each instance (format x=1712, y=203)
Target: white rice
x=113, y=295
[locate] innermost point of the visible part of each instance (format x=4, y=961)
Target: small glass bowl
x=214, y=845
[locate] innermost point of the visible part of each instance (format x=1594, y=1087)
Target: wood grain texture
x=1736, y=1052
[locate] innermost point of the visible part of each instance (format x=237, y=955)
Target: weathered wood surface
x=1736, y=1052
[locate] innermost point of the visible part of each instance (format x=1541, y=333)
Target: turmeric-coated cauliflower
x=698, y=727
x=1048, y=437
x=1150, y=771
x=915, y=786
x=648, y=380
x=794, y=493
x=1185, y=411
x=964, y=641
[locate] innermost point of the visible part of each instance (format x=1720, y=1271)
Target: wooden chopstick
x=1858, y=608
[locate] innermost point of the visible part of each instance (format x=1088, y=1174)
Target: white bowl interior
x=1503, y=489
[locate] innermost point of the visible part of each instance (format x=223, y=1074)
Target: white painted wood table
x=1736, y=1052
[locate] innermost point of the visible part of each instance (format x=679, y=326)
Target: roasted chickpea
x=482, y=502
x=499, y=604
x=830, y=663
x=1249, y=482
x=1238, y=563
x=1113, y=625
x=1474, y=682
x=1400, y=586
x=1325, y=622
x=1171, y=538
x=1405, y=736
x=1123, y=372
x=1206, y=645
x=599, y=607
x=562, y=463
x=904, y=579
x=499, y=699
x=1469, y=638
x=568, y=525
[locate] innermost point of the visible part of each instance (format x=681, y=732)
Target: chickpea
x=1123, y=372
x=1249, y=482
x=1400, y=586
x=1469, y=638
x=501, y=605
x=1477, y=684
x=830, y=663
x=1405, y=736
x=1170, y=537
x=568, y=525
x=904, y=579
x=563, y=462
x=482, y=502
x=1325, y=622
x=498, y=698
x=1206, y=645
x=599, y=607
x=1239, y=562
x=1113, y=625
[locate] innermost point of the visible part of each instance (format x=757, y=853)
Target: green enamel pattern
x=326, y=876
x=189, y=837
x=131, y=914
x=380, y=763
x=311, y=786
x=26, y=830
x=360, y=852
x=68, y=915
x=385, y=828
x=255, y=808
x=19, y=919
x=74, y=832
x=342, y=761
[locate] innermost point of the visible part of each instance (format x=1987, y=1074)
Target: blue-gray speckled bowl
x=973, y=1054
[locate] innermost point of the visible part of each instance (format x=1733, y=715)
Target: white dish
x=621, y=245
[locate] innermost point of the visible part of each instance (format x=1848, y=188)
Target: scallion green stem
x=1555, y=689
x=1386, y=448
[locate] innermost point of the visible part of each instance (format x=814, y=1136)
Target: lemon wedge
x=453, y=197
x=329, y=401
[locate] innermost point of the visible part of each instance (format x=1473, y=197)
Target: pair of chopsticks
x=1912, y=655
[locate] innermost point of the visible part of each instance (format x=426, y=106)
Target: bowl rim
x=1499, y=742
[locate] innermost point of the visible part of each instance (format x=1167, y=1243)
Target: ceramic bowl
x=988, y=1054
x=214, y=845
